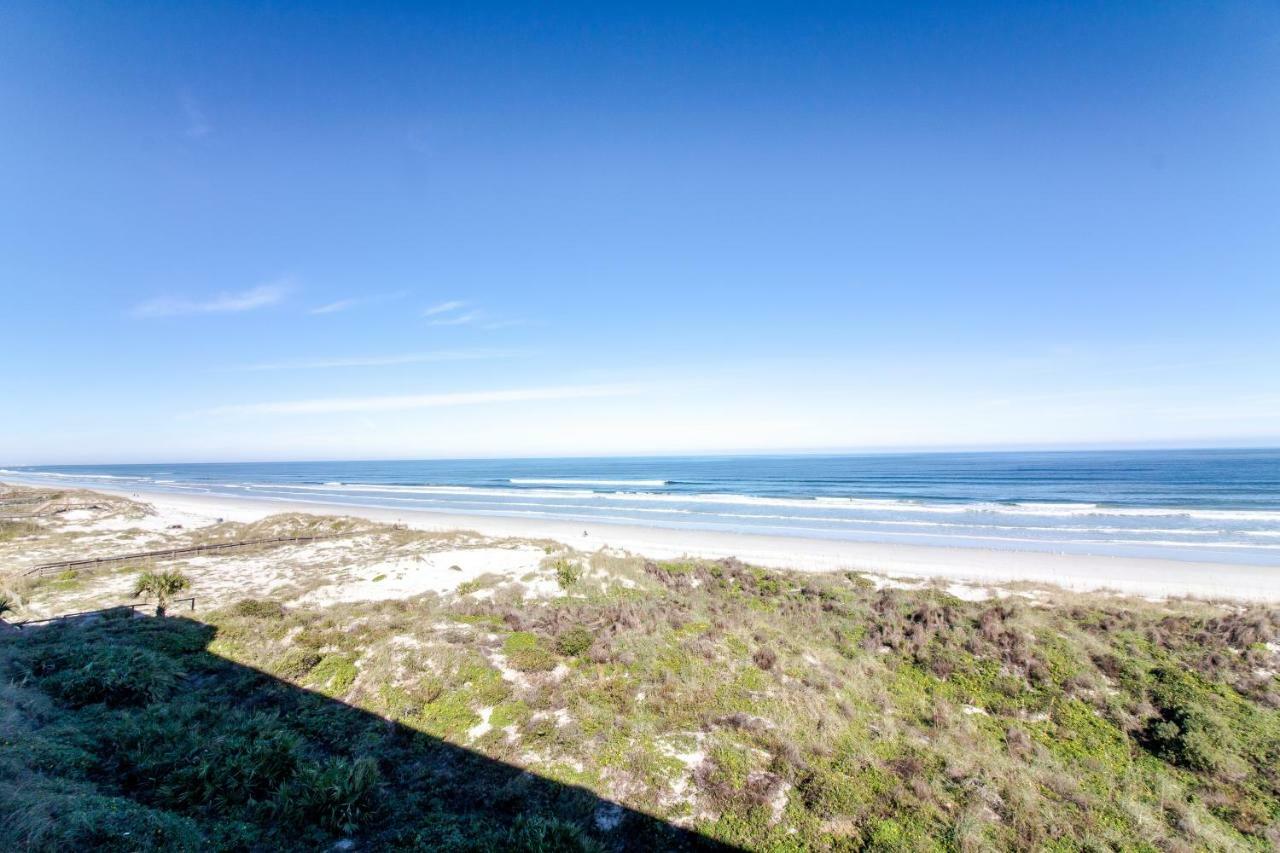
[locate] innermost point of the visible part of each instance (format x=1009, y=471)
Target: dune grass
x=762, y=709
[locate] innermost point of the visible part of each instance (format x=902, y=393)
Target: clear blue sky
x=276, y=230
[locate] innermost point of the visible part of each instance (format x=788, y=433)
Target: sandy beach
x=970, y=566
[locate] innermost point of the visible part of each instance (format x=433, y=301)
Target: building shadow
x=125, y=732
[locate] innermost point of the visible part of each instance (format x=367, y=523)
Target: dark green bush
x=538, y=834
x=574, y=642
x=40, y=818
x=296, y=663
x=116, y=676
x=1185, y=732
x=258, y=608
x=338, y=795
x=176, y=638
x=244, y=764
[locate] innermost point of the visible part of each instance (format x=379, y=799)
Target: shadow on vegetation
x=125, y=733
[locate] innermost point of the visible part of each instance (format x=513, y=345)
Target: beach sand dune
x=972, y=567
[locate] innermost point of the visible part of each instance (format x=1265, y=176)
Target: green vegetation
x=526, y=652
x=124, y=734
x=567, y=573
x=333, y=674
x=162, y=586
x=468, y=587
x=258, y=608
x=761, y=709
x=574, y=642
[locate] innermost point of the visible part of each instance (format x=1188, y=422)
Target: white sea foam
x=1040, y=525
x=514, y=500
x=62, y=476
x=898, y=507
x=359, y=488
x=569, y=481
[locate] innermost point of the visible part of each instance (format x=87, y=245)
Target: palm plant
x=162, y=586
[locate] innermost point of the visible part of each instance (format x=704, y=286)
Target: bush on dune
x=526, y=652
x=57, y=817
x=338, y=795
x=574, y=642
x=246, y=763
x=115, y=676
x=258, y=608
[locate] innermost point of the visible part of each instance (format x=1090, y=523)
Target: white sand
x=1129, y=575
x=441, y=571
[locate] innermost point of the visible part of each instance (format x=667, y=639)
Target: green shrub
x=1185, y=732
x=52, y=755
x=39, y=817
x=117, y=676
x=338, y=795
x=243, y=764
x=400, y=703
x=173, y=638
x=574, y=642
x=296, y=663
x=334, y=674
x=162, y=586
x=532, y=833
x=526, y=652
x=449, y=715
x=258, y=608
x=567, y=573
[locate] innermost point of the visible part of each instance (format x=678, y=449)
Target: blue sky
x=273, y=230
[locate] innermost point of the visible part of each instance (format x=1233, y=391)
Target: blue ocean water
x=1217, y=505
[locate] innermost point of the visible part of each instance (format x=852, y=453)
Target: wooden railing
x=32, y=499
x=169, y=553
x=56, y=509
x=132, y=608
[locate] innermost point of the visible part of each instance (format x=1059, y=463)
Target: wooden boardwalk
x=51, y=510
x=33, y=499
x=170, y=553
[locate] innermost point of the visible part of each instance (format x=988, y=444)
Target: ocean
x=1214, y=505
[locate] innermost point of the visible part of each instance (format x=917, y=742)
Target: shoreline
x=1147, y=577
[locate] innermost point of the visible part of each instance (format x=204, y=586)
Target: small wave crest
x=575, y=481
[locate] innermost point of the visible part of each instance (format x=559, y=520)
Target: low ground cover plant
x=753, y=708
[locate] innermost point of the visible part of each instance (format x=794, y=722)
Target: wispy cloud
x=457, y=319
x=222, y=303
x=197, y=126
x=381, y=360
x=444, y=308
x=335, y=307
x=451, y=314
x=406, y=402
x=356, y=301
